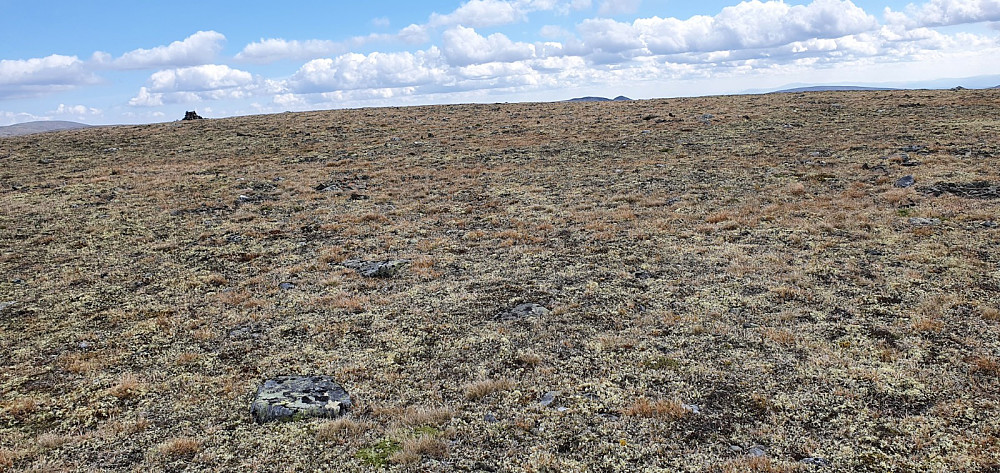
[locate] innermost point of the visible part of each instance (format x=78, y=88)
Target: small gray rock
x=905, y=181
x=4, y=305
x=286, y=286
x=522, y=311
x=756, y=451
x=924, y=222
x=692, y=408
x=377, y=269
x=548, y=398
x=816, y=461
x=290, y=398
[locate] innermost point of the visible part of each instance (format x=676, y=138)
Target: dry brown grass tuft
x=216, y=279
x=661, y=408
x=984, y=364
x=417, y=416
x=481, y=389
x=21, y=407
x=51, y=440
x=179, y=447
x=7, y=457
x=342, y=429
x=128, y=386
x=426, y=445
x=990, y=313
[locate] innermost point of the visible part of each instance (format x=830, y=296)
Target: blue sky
x=138, y=62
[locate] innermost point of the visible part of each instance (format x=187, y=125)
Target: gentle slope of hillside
x=731, y=283
x=28, y=128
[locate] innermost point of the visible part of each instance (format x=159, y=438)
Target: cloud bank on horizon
x=508, y=50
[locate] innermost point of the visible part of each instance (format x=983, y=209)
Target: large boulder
x=289, y=398
x=191, y=116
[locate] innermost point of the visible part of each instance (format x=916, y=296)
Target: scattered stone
x=913, y=148
x=245, y=332
x=377, y=269
x=924, y=222
x=523, y=311
x=290, y=398
x=756, y=451
x=83, y=345
x=490, y=418
x=957, y=89
x=692, y=408
x=905, y=181
x=356, y=196
x=4, y=305
x=975, y=189
x=191, y=116
x=286, y=286
x=735, y=448
x=548, y=398
x=816, y=461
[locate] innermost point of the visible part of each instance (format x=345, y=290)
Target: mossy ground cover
x=733, y=284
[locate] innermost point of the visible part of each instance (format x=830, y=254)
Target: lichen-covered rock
x=288, y=398
x=522, y=311
x=377, y=269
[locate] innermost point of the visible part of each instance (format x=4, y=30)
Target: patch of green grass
x=378, y=455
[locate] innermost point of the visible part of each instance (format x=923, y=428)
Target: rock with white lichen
x=377, y=269
x=523, y=311
x=289, y=398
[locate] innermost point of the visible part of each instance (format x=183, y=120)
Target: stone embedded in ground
x=286, y=286
x=548, y=398
x=377, y=269
x=816, y=461
x=522, y=311
x=289, y=398
x=905, y=181
x=974, y=190
x=924, y=222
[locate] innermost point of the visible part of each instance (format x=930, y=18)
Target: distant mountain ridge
x=619, y=98
x=28, y=128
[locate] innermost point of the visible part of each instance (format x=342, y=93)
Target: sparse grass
x=481, y=389
x=342, y=429
x=128, y=386
x=180, y=447
x=723, y=264
x=660, y=408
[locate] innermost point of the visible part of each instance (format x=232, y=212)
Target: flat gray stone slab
x=523, y=311
x=289, y=398
x=377, y=269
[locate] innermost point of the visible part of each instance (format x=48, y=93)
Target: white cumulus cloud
x=199, y=48
x=372, y=71
x=37, y=76
x=463, y=46
x=945, y=13
x=479, y=14
x=275, y=49
x=199, y=78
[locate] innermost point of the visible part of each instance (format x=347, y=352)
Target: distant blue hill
x=619, y=98
x=38, y=127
